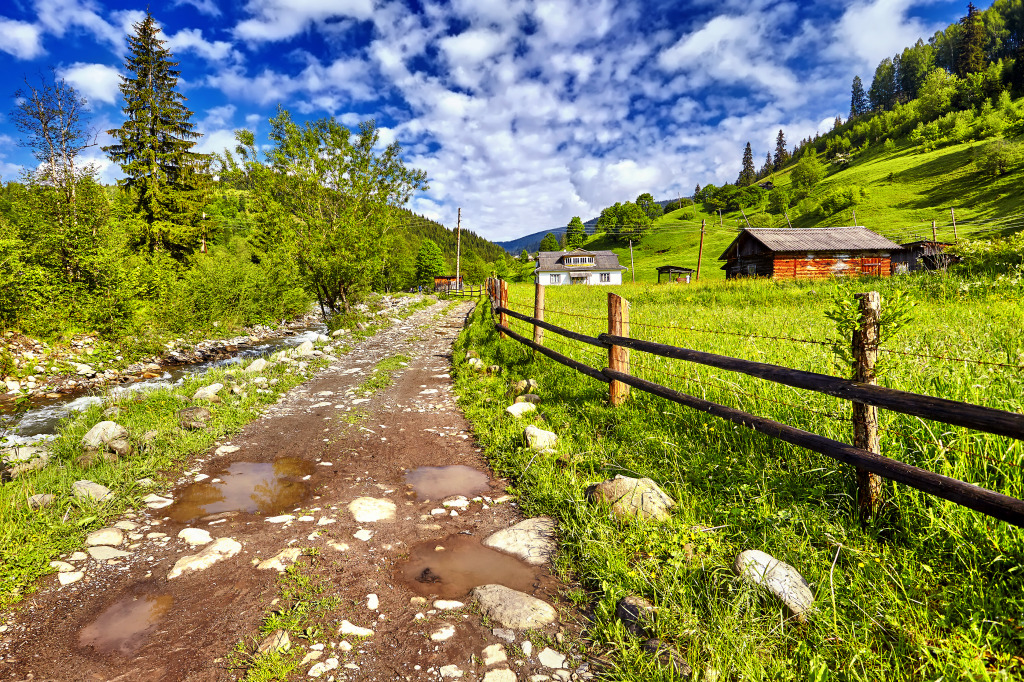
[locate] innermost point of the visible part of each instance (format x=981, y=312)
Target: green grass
x=382, y=375
x=929, y=590
x=31, y=539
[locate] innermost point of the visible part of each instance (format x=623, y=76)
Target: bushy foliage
x=838, y=198
x=998, y=157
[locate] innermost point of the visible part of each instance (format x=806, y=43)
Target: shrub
x=998, y=157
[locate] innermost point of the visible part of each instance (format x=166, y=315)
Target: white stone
x=222, y=548
x=104, y=553
x=549, y=658
x=71, y=577
x=257, y=365
x=348, y=628
x=520, y=409
x=781, y=579
x=304, y=349
x=91, y=490
x=540, y=440
x=532, y=540
x=207, y=392
x=281, y=560
x=363, y=535
x=447, y=605
x=195, y=536
x=154, y=501
x=78, y=556
x=513, y=609
x=372, y=602
x=283, y=518
x=226, y=449
x=338, y=546
x=443, y=634
x=320, y=668
x=62, y=566
x=495, y=654
x=325, y=521
x=105, y=536
x=103, y=433
x=500, y=675
x=371, y=509
x=450, y=671
x=126, y=525
x=458, y=503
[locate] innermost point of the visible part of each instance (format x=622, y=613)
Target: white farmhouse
x=578, y=267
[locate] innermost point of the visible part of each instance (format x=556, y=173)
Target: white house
x=578, y=267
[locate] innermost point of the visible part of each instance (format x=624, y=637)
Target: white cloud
x=58, y=16
x=207, y=7
x=889, y=29
x=20, y=39
x=191, y=40
x=97, y=82
x=281, y=19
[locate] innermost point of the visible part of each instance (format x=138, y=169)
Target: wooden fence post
x=538, y=312
x=865, y=417
x=503, y=302
x=618, y=357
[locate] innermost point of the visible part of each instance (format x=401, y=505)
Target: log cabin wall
x=825, y=265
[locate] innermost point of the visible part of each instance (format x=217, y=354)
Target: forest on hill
x=186, y=240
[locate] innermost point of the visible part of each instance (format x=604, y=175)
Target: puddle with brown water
x=263, y=487
x=462, y=565
x=434, y=483
x=124, y=626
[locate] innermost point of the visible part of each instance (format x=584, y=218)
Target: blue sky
x=523, y=112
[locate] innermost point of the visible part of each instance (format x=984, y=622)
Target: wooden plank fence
x=866, y=396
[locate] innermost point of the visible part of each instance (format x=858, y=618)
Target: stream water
x=41, y=421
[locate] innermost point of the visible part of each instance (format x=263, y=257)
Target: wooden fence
x=866, y=396
x=465, y=292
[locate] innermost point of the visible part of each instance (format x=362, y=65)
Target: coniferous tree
x=970, y=53
x=747, y=173
x=168, y=181
x=915, y=64
x=767, y=168
x=696, y=191
x=883, y=88
x=858, y=98
x=781, y=155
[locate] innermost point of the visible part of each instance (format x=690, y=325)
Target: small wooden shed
x=447, y=283
x=923, y=255
x=808, y=253
x=674, y=272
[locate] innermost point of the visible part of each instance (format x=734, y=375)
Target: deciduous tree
x=575, y=235
x=549, y=242
x=430, y=263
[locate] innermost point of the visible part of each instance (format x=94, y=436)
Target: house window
x=555, y=279
x=606, y=277
x=751, y=269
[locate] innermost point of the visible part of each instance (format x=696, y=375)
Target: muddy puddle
x=434, y=483
x=124, y=626
x=253, y=487
x=462, y=565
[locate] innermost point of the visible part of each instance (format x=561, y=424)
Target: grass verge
x=928, y=591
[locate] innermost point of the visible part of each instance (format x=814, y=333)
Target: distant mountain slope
x=418, y=228
x=531, y=242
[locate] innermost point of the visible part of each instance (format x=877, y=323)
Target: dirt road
x=311, y=481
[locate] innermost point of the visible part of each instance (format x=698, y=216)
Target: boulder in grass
x=510, y=608
x=257, y=365
x=194, y=418
x=525, y=386
x=305, y=348
x=532, y=540
x=539, y=440
x=636, y=614
x=90, y=490
x=781, y=579
x=669, y=656
x=207, y=392
x=494, y=370
x=40, y=501
x=521, y=409
x=472, y=354
x=632, y=497
x=103, y=433
x=528, y=398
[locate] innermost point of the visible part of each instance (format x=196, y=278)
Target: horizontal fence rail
x=969, y=495
x=976, y=417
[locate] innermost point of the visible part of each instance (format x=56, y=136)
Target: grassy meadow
x=927, y=591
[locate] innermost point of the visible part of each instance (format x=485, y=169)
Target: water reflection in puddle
x=434, y=483
x=263, y=487
x=124, y=626
x=462, y=565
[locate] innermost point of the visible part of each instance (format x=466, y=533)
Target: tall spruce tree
x=970, y=53
x=747, y=172
x=767, y=168
x=781, y=155
x=858, y=98
x=168, y=181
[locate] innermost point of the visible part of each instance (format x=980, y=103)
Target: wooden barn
x=447, y=283
x=809, y=253
x=923, y=255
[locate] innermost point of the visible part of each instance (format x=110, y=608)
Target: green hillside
x=903, y=190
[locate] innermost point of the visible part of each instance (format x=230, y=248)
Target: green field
x=927, y=591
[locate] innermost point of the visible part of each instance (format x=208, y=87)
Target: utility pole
x=700, y=249
x=458, y=250
x=953, y=216
x=855, y=217
x=631, y=267
x=787, y=219
x=721, y=221
x=934, y=238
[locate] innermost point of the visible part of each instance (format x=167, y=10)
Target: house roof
x=788, y=239
x=550, y=261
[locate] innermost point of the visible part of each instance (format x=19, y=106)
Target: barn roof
x=550, y=261
x=815, y=239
